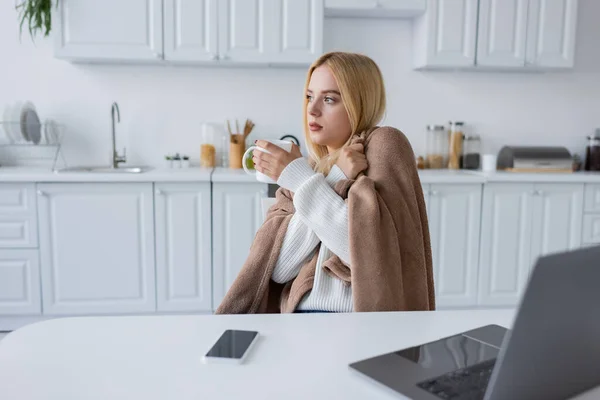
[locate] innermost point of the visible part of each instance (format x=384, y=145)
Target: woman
x=349, y=229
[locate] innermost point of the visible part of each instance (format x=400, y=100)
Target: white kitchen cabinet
x=296, y=32
x=592, y=198
x=445, y=36
x=502, y=33
x=111, y=30
x=375, y=8
x=20, y=292
x=191, y=30
x=521, y=222
x=454, y=213
x=551, y=33
x=506, y=228
x=525, y=34
x=183, y=246
x=270, y=31
x=557, y=218
x=237, y=215
x=97, y=247
x=18, y=216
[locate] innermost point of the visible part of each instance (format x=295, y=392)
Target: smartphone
x=232, y=347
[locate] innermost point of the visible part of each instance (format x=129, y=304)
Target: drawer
x=592, y=198
x=18, y=232
x=17, y=199
x=591, y=229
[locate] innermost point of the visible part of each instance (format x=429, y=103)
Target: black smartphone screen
x=232, y=344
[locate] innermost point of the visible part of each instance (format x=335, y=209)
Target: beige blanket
x=390, y=253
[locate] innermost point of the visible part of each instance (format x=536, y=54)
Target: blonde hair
x=363, y=95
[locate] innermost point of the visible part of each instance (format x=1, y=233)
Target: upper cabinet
x=527, y=34
x=551, y=33
x=446, y=35
x=191, y=31
x=91, y=30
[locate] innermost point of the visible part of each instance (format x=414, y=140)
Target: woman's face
x=328, y=120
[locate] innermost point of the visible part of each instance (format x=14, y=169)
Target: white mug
x=488, y=162
x=284, y=144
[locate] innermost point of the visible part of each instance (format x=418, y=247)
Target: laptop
x=551, y=352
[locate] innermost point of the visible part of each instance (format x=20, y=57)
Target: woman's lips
x=313, y=126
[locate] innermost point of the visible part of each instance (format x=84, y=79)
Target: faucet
x=116, y=158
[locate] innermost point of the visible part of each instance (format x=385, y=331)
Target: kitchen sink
x=107, y=170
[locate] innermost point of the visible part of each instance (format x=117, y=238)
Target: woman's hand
x=273, y=164
x=352, y=160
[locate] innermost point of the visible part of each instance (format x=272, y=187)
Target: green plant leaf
x=37, y=14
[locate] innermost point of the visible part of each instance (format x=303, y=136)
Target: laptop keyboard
x=462, y=384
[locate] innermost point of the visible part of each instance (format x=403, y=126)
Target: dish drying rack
x=13, y=138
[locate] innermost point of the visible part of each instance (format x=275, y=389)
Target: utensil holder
x=236, y=151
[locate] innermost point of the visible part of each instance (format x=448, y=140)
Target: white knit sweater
x=321, y=217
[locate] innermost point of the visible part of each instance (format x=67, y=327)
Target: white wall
x=162, y=108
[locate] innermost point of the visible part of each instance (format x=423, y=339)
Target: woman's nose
x=313, y=109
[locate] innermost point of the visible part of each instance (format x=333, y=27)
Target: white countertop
x=298, y=356
x=23, y=174
x=220, y=174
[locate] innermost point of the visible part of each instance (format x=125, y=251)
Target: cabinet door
x=455, y=212
x=97, y=247
x=506, y=229
x=551, y=33
x=237, y=215
x=109, y=30
x=183, y=247
x=20, y=282
x=557, y=218
x=297, y=31
x=445, y=36
x=244, y=34
x=191, y=30
x=502, y=33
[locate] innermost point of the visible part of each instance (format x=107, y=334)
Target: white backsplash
x=162, y=108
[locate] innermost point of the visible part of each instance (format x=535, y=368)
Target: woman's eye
x=329, y=100
x=308, y=97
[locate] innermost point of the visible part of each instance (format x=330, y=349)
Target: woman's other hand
x=352, y=160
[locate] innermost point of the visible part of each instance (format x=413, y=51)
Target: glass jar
x=437, y=147
x=592, y=152
x=456, y=144
x=208, y=146
x=471, y=154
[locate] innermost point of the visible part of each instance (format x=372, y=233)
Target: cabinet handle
x=159, y=192
x=40, y=193
x=434, y=192
x=539, y=192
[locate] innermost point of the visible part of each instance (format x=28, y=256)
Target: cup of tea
x=284, y=144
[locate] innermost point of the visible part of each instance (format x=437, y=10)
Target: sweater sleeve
x=299, y=241
x=318, y=206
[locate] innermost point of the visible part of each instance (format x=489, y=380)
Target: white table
x=298, y=356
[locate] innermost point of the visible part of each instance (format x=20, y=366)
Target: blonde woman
x=349, y=230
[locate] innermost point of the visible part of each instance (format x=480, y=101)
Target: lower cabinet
x=96, y=247
x=237, y=215
x=521, y=222
x=183, y=246
x=20, y=282
x=454, y=214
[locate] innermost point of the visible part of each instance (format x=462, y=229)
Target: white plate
x=30, y=123
x=6, y=126
x=15, y=128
